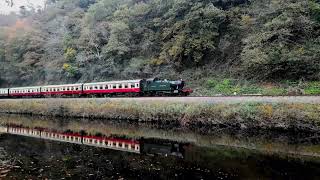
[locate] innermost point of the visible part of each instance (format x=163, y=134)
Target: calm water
x=37, y=148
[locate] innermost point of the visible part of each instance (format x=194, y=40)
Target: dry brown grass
x=279, y=115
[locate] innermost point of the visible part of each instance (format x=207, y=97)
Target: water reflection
x=265, y=142
x=147, y=146
x=40, y=148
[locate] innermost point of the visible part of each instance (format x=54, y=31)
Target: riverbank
x=248, y=115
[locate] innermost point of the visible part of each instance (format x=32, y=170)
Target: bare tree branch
x=9, y=2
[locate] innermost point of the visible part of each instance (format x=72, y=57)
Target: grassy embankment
x=227, y=86
x=242, y=115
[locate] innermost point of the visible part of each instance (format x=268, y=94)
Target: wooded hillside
x=89, y=40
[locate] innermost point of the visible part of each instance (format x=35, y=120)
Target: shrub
x=70, y=54
x=71, y=71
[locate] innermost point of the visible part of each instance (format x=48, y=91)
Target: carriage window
x=114, y=86
x=77, y=88
x=126, y=86
x=101, y=87
x=137, y=85
x=91, y=87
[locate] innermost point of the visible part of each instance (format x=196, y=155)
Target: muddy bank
x=247, y=116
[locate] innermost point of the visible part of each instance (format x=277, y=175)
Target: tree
x=190, y=37
x=286, y=46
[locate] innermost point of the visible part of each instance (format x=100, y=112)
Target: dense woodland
x=91, y=40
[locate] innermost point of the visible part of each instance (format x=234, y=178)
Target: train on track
x=130, y=88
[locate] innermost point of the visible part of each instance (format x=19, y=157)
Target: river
x=48, y=148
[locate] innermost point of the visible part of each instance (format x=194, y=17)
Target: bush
x=70, y=54
x=71, y=71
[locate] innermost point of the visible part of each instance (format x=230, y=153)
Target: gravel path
x=213, y=100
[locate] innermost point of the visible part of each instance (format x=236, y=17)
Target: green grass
x=227, y=86
x=312, y=88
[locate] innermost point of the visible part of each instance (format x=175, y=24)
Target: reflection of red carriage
x=144, y=146
x=110, y=143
